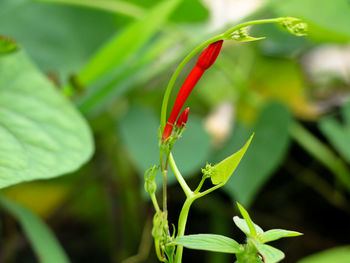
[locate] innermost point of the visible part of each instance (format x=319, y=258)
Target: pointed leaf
x=209, y=242
x=44, y=243
x=269, y=253
x=242, y=225
x=223, y=170
x=251, y=226
x=42, y=135
x=275, y=234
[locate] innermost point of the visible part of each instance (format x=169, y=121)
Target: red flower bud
x=209, y=55
x=205, y=60
x=182, y=120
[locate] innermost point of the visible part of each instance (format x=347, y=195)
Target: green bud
x=295, y=26
x=208, y=171
x=150, y=180
x=242, y=35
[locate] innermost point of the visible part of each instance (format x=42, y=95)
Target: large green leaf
x=7, y=45
x=222, y=171
x=265, y=153
x=43, y=241
x=209, y=242
x=338, y=134
x=58, y=38
x=333, y=255
x=126, y=43
x=329, y=22
x=41, y=133
x=139, y=131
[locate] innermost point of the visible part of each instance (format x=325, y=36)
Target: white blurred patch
x=328, y=61
x=225, y=12
x=219, y=123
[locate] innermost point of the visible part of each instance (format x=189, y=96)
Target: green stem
x=182, y=226
x=155, y=203
x=321, y=152
x=179, y=177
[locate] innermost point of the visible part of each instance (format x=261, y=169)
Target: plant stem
x=182, y=225
x=321, y=152
x=179, y=177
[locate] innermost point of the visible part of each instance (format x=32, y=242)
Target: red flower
x=182, y=120
x=205, y=60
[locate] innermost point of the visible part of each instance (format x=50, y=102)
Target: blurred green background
x=115, y=59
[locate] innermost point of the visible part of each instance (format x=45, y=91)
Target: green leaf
x=337, y=134
x=209, y=242
x=248, y=220
x=242, y=225
x=269, y=253
x=126, y=43
x=43, y=241
x=222, y=171
x=275, y=234
x=119, y=7
x=7, y=45
x=271, y=142
x=41, y=133
x=62, y=43
x=333, y=255
x=139, y=132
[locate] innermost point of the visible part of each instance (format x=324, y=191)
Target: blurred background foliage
x=114, y=59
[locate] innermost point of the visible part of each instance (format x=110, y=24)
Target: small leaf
x=242, y=225
x=42, y=239
x=275, y=234
x=222, y=171
x=252, y=229
x=209, y=242
x=7, y=45
x=269, y=253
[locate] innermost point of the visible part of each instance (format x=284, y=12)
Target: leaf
x=222, y=171
x=44, y=243
x=62, y=43
x=242, y=225
x=7, y=45
x=119, y=7
x=337, y=134
x=249, y=222
x=209, y=242
x=329, y=23
x=271, y=142
x=333, y=255
x=41, y=133
x=269, y=253
x=275, y=234
x=139, y=132
x=128, y=42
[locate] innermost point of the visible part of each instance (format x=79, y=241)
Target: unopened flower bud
x=182, y=120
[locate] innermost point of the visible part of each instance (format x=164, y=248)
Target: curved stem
x=179, y=177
